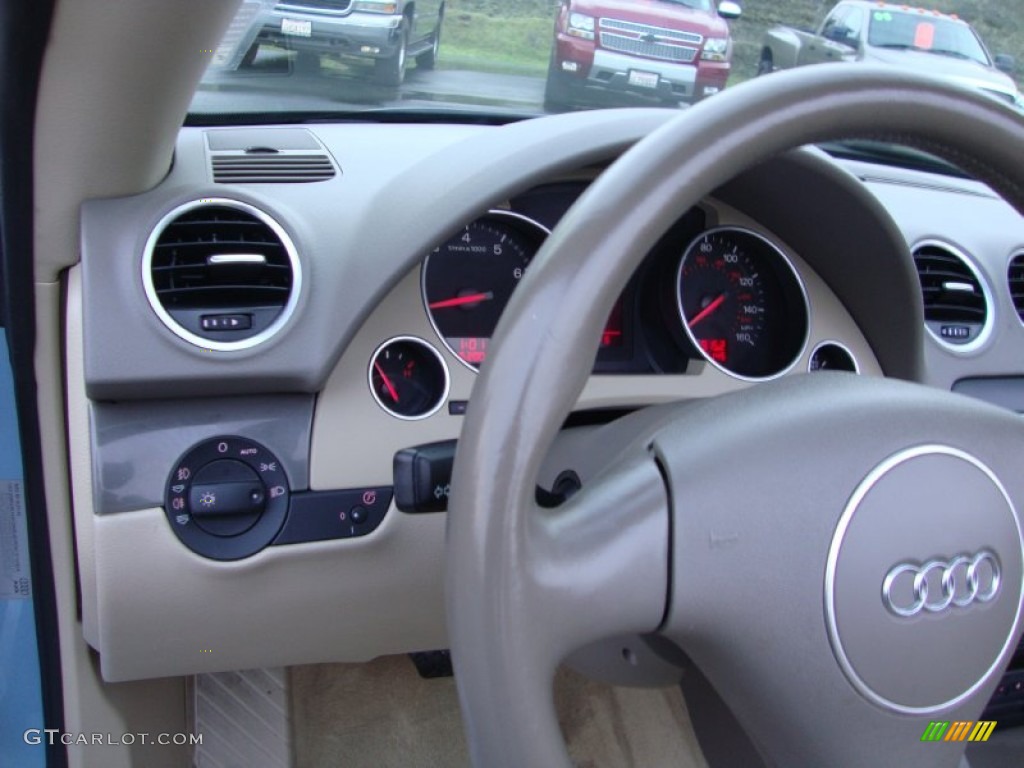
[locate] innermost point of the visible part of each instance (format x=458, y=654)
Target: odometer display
x=469, y=279
x=741, y=303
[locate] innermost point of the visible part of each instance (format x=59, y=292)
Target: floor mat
x=383, y=715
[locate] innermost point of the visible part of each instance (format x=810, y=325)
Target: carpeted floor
x=382, y=714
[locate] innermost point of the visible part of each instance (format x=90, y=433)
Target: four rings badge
x=935, y=586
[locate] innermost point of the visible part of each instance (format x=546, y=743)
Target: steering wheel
x=854, y=585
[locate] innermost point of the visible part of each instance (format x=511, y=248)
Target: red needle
x=707, y=310
x=386, y=380
x=459, y=301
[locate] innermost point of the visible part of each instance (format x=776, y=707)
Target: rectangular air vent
x=272, y=168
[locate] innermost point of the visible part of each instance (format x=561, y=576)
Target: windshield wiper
x=951, y=53
x=937, y=51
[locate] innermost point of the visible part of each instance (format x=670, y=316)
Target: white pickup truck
x=922, y=40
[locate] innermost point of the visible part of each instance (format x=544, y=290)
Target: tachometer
x=468, y=280
x=742, y=304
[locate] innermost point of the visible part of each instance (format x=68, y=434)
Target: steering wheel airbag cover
x=934, y=531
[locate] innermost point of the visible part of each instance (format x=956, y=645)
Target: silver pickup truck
x=385, y=32
x=926, y=41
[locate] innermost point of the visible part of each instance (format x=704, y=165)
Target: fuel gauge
x=408, y=378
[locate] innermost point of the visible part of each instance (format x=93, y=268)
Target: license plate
x=296, y=28
x=643, y=79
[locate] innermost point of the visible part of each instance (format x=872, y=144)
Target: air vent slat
x=224, y=295
x=239, y=170
x=219, y=243
x=954, y=312
x=279, y=175
x=272, y=169
x=283, y=268
x=271, y=162
x=941, y=275
x=265, y=179
x=1015, y=274
x=221, y=257
x=953, y=295
x=210, y=222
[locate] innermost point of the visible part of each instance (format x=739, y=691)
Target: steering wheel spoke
x=607, y=547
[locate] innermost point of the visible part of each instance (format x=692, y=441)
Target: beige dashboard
x=142, y=397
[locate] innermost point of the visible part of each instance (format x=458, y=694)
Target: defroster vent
x=272, y=168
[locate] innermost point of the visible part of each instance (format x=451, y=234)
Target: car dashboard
x=251, y=343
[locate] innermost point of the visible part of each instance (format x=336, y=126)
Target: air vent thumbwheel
x=221, y=274
x=956, y=299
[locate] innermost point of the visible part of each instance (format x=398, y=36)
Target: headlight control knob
x=227, y=498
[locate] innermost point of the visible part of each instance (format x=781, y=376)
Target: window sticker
x=15, y=580
x=924, y=35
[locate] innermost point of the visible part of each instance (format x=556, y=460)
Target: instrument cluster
x=724, y=294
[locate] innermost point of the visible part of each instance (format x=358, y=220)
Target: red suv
x=672, y=50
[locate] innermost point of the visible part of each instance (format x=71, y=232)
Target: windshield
x=897, y=29
x=498, y=60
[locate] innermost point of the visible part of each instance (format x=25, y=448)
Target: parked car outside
x=672, y=50
x=385, y=32
x=896, y=35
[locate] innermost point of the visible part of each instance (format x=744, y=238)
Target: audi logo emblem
x=938, y=585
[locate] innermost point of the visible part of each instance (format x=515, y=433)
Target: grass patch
x=490, y=43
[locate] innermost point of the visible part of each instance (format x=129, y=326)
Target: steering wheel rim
x=524, y=586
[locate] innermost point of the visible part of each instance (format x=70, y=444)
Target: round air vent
x=956, y=300
x=1015, y=277
x=221, y=274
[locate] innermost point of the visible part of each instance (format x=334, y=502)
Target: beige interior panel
x=165, y=611
x=90, y=705
x=80, y=455
x=80, y=151
x=154, y=609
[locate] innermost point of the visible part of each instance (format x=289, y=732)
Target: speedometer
x=742, y=303
x=468, y=280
